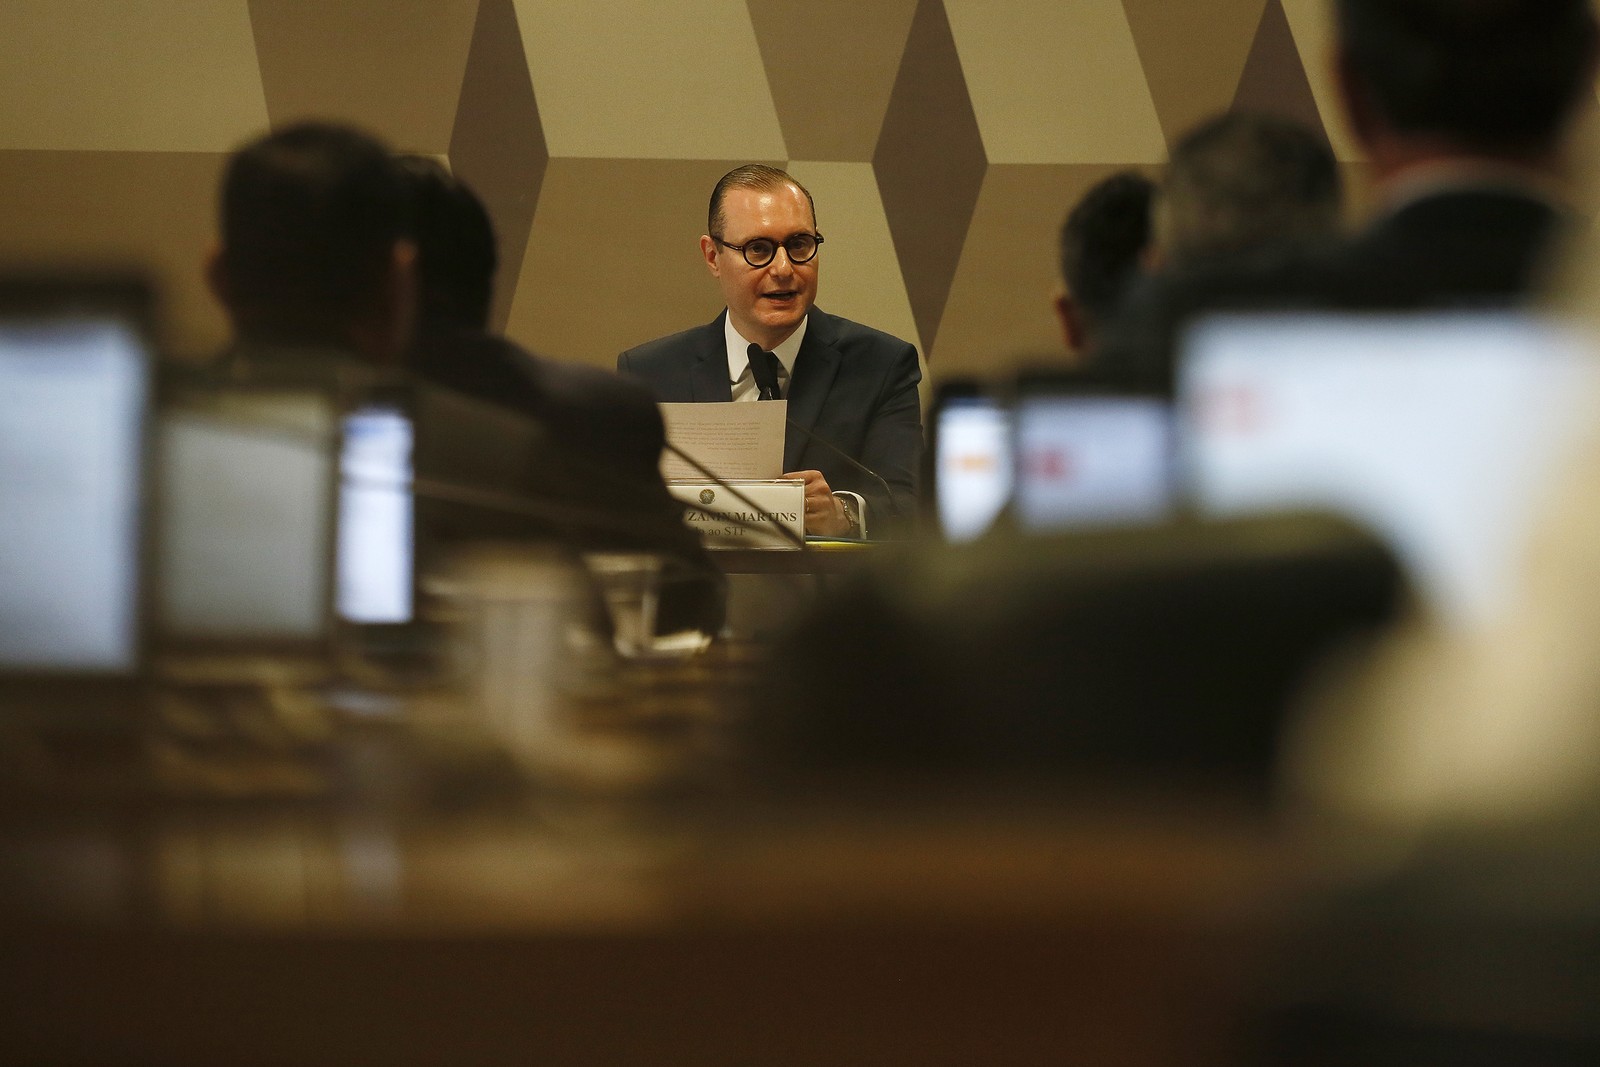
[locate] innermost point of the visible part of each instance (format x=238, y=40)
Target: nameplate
x=725, y=521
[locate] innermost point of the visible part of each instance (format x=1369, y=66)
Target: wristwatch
x=851, y=505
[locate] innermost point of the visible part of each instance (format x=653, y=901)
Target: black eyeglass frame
x=783, y=244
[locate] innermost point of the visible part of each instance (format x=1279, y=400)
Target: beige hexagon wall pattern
x=1056, y=83
x=614, y=256
x=396, y=63
x=1310, y=24
x=639, y=78
x=84, y=75
x=944, y=139
x=862, y=278
x=497, y=144
x=145, y=209
x=991, y=330
x=1192, y=55
x=831, y=89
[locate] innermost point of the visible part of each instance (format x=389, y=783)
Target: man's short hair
x=309, y=215
x=1242, y=181
x=1495, y=75
x=750, y=176
x=456, y=247
x=1102, y=240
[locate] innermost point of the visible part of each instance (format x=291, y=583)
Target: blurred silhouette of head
x=1243, y=181
x=1102, y=242
x=1490, y=77
x=314, y=247
x=456, y=248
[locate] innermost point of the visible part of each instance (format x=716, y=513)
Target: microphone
x=763, y=370
x=783, y=531
x=848, y=458
x=575, y=522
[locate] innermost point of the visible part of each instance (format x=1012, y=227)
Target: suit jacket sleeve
x=856, y=388
x=893, y=444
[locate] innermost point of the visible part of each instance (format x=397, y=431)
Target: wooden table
x=397, y=892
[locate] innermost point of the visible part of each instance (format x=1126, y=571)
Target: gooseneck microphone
x=848, y=458
x=763, y=368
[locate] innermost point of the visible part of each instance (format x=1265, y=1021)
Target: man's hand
x=824, y=514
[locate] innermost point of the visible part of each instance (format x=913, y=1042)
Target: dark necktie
x=777, y=371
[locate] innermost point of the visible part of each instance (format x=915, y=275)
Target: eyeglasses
x=759, y=251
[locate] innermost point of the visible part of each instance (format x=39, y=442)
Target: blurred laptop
x=75, y=366
x=302, y=505
x=1088, y=453
x=1055, y=452
x=245, y=526
x=1441, y=432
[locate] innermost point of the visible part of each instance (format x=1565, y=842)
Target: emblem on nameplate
x=761, y=513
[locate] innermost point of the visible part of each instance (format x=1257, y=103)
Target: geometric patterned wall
x=943, y=139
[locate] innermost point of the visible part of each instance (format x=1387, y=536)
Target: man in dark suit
x=851, y=386
x=1463, y=109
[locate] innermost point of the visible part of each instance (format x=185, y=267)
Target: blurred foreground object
x=1465, y=112
x=1243, y=182
x=1480, y=948
x=1099, y=249
x=1137, y=654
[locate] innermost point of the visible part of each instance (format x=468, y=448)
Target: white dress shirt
x=744, y=385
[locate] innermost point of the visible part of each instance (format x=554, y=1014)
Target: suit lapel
x=814, y=370
x=708, y=378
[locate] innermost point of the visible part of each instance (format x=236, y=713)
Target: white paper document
x=734, y=440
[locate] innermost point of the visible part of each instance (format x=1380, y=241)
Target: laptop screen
x=1090, y=458
x=305, y=496
x=245, y=525
x=73, y=397
x=1440, y=432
